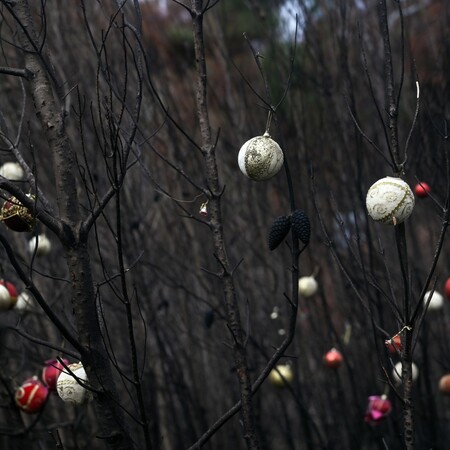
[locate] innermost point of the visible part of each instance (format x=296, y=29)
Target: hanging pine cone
x=301, y=226
x=280, y=228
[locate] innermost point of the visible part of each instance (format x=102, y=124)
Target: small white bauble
x=24, y=302
x=12, y=171
x=260, y=158
x=307, y=286
x=436, y=302
x=397, y=372
x=390, y=200
x=5, y=298
x=68, y=387
x=281, y=375
x=43, y=245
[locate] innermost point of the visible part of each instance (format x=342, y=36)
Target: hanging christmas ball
x=12, y=171
x=51, y=371
x=397, y=372
x=16, y=216
x=444, y=384
x=260, y=158
x=8, y=295
x=436, y=302
x=39, y=244
x=24, y=302
x=394, y=345
x=377, y=409
x=390, y=200
x=307, y=286
x=447, y=288
x=422, y=189
x=31, y=395
x=281, y=375
x=68, y=387
x=333, y=359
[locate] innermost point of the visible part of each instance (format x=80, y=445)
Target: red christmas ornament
x=31, y=395
x=444, y=384
x=16, y=216
x=51, y=372
x=333, y=359
x=422, y=189
x=447, y=288
x=377, y=409
x=394, y=345
x=8, y=295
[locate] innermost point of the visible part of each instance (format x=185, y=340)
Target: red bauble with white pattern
x=31, y=395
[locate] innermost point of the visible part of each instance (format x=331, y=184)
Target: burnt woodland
x=133, y=243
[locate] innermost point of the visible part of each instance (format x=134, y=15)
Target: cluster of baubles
x=61, y=377
x=11, y=299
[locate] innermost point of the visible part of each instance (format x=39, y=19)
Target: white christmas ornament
x=43, y=245
x=281, y=375
x=390, y=200
x=5, y=298
x=260, y=158
x=12, y=171
x=397, y=372
x=68, y=387
x=24, y=302
x=307, y=286
x=436, y=302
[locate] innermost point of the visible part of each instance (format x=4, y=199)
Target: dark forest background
x=124, y=77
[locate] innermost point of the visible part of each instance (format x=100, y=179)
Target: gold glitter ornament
x=260, y=158
x=16, y=216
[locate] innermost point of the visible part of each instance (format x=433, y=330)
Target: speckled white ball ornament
x=24, y=302
x=397, y=372
x=12, y=171
x=436, y=302
x=68, y=387
x=260, y=158
x=307, y=286
x=390, y=200
x=43, y=245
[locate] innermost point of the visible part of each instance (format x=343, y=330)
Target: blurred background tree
x=123, y=74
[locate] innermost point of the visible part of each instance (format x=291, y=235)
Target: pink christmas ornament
x=51, y=372
x=377, y=409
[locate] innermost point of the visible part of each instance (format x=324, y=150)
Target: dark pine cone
x=301, y=226
x=280, y=228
